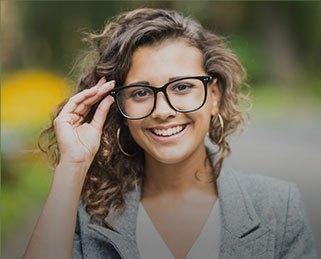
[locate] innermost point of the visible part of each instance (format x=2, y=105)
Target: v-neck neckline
x=212, y=219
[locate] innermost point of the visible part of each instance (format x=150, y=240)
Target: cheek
x=206, y=122
x=205, y=117
x=136, y=131
x=202, y=119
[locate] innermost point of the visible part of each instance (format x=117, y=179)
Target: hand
x=78, y=142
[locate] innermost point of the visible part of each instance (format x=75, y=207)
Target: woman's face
x=166, y=135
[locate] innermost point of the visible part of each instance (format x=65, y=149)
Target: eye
x=182, y=87
x=141, y=93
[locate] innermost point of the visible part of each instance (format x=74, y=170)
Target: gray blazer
x=261, y=218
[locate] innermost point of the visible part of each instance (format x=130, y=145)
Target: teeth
x=167, y=132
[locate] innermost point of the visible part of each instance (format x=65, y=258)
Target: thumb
x=101, y=112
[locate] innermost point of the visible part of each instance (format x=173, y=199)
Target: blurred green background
x=279, y=43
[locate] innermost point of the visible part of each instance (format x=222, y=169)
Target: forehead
x=159, y=62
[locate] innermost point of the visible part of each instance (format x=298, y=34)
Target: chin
x=169, y=157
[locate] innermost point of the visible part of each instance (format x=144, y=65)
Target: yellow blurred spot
x=29, y=97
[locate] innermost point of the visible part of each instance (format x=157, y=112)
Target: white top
x=151, y=245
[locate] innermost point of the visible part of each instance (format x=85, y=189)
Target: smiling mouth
x=168, y=132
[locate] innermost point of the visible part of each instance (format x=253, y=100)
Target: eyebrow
x=148, y=83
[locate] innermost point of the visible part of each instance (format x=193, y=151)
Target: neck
x=192, y=174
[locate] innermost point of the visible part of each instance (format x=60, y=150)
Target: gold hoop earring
x=120, y=147
x=213, y=120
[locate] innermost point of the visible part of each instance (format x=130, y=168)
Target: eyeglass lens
x=184, y=95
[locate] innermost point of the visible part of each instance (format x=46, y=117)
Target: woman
x=148, y=185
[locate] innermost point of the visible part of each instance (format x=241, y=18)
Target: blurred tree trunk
x=281, y=53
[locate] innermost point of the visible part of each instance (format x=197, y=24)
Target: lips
x=169, y=131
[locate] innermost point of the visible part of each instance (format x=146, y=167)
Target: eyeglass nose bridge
x=162, y=89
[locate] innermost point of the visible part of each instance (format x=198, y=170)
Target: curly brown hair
x=111, y=173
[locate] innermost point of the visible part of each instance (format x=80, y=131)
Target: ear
x=215, y=96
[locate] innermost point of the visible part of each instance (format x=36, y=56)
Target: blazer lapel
x=123, y=234
x=242, y=234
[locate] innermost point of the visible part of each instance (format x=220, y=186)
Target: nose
x=162, y=109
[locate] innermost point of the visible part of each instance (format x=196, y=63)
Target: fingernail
x=112, y=83
x=109, y=84
x=102, y=79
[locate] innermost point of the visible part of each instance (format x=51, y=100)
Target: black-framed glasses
x=185, y=94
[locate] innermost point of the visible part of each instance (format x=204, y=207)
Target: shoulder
x=259, y=189
x=258, y=197
x=262, y=197
x=82, y=214
x=279, y=207
x=265, y=189
x=272, y=199
x=252, y=180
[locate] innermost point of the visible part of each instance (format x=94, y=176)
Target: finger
x=100, y=82
x=77, y=119
x=81, y=109
x=68, y=118
x=73, y=102
x=101, y=112
x=84, y=107
x=103, y=89
x=79, y=97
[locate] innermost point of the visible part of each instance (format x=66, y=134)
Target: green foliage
x=250, y=54
x=276, y=99
x=315, y=86
x=24, y=188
